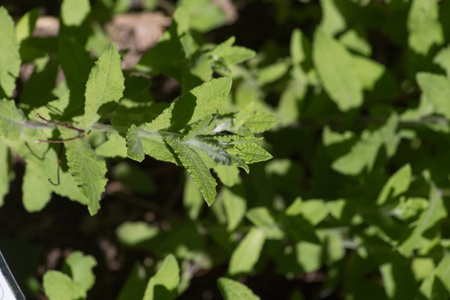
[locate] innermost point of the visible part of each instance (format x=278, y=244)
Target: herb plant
x=321, y=154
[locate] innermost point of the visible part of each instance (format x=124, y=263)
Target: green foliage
x=346, y=123
x=60, y=286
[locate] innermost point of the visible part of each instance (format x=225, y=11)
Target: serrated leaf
x=11, y=120
x=192, y=107
x=233, y=290
x=425, y=29
x=436, y=88
x=59, y=286
x=135, y=149
x=87, y=169
x=250, y=152
x=41, y=162
x=81, y=268
x=164, y=283
x=247, y=253
x=74, y=12
x=334, y=66
x=260, y=121
x=9, y=58
x=199, y=172
x=105, y=84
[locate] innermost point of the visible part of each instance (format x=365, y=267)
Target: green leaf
x=134, y=287
x=59, y=286
x=164, y=283
x=204, y=15
x=36, y=193
x=335, y=67
x=247, y=253
x=443, y=59
x=74, y=12
x=81, y=268
x=115, y=146
x=364, y=153
x=436, y=89
x=428, y=219
x=332, y=21
x=257, y=121
x=354, y=40
x=26, y=24
x=309, y=256
x=228, y=175
x=298, y=47
x=199, y=172
x=233, y=290
x=105, y=84
x=192, y=198
x=194, y=106
x=396, y=185
x=235, y=207
x=424, y=27
x=134, y=233
x=87, y=169
x=261, y=217
x=76, y=64
x=231, y=54
x=135, y=149
x=272, y=72
x=4, y=178
x=11, y=120
x=9, y=58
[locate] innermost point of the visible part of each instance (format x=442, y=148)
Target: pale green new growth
x=105, y=84
x=11, y=120
x=133, y=233
x=164, y=283
x=26, y=24
x=135, y=149
x=74, y=12
x=195, y=105
x=9, y=58
x=246, y=255
x=436, y=89
x=233, y=290
x=425, y=29
x=87, y=169
x=81, y=268
x=36, y=193
x=59, y=286
x=335, y=68
x=199, y=172
x=396, y=185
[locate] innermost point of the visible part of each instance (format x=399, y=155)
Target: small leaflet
x=135, y=149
